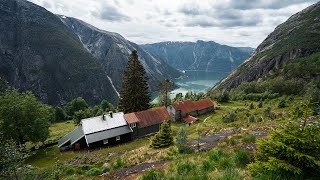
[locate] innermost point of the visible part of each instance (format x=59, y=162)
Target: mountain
x=200, y=55
x=42, y=53
x=297, y=37
x=112, y=51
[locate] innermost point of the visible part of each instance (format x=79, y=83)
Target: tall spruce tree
x=134, y=95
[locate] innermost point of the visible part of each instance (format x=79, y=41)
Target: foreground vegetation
x=227, y=160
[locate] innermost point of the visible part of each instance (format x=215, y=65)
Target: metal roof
x=72, y=137
x=98, y=136
x=96, y=124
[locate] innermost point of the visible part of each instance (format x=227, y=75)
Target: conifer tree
x=164, y=137
x=134, y=95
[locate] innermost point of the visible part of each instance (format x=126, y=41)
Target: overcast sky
x=230, y=22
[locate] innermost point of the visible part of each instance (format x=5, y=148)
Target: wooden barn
x=144, y=123
x=181, y=110
x=204, y=106
x=105, y=130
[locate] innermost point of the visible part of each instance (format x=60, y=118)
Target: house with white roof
x=97, y=131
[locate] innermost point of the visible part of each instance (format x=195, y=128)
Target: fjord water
x=195, y=81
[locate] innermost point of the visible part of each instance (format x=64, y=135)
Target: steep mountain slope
x=112, y=50
x=60, y=58
x=298, y=36
x=201, y=55
x=39, y=53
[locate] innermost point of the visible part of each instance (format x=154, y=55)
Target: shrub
x=153, y=175
x=118, y=164
x=230, y=141
x=260, y=105
x=230, y=174
x=230, y=117
x=69, y=171
x=94, y=172
x=251, y=106
x=241, y=157
x=207, y=165
x=163, y=138
x=249, y=139
x=292, y=151
x=251, y=119
x=282, y=104
x=185, y=167
x=224, y=163
x=182, y=142
x=216, y=155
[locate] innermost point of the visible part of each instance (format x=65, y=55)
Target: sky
x=241, y=23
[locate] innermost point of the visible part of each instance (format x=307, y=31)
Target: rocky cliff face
x=298, y=36
x=59, y=59
x=112, y=50
x=39, y=53
x=201, y=55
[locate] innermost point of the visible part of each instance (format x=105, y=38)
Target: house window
x=105, y=141
x=117, y=138
x=133, y=125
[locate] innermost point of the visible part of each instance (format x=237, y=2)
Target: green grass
x=60, y=129
x=214, y=163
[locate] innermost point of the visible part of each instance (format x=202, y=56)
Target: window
x=133, y=125
x=105, y=141
x=117, y=138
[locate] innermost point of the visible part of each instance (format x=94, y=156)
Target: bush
x=118, y=164
x=230, y=117
x=185, y=167
x=251, y=106
x=249, y=139
x=94, y=172
x=164, y=137
x=282, y=104
x=69, y=171
x=230, y=141
x=230, y=174
x=224, y=163
x=241, y=157
x=216, y=155
x=153, y=175
x=291, y=151
x=182, y=142
x=251, y=119
x=207, y=165
x=260, y=105
x=220, y=95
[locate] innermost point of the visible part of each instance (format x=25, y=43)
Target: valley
x=178, y=94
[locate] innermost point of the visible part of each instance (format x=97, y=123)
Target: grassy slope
x=138, y=151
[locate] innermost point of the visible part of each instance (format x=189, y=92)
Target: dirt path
x=134, y=171
x=208, y=142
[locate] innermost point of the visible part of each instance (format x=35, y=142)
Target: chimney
x=103, y=117
x=111, y=114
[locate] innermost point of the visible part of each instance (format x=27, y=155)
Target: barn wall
x=148, y=130
x=112, y=141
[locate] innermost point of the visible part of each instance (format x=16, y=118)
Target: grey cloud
x=262, y=4
x=190, y=9
x=201, y=23
x=111, y=13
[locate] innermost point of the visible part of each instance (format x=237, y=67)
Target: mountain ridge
x=199, y=55
x=296, y=37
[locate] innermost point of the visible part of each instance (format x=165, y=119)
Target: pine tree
x=182, y=141
x=292, y=151
x=134, y=95
x=164, y=137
